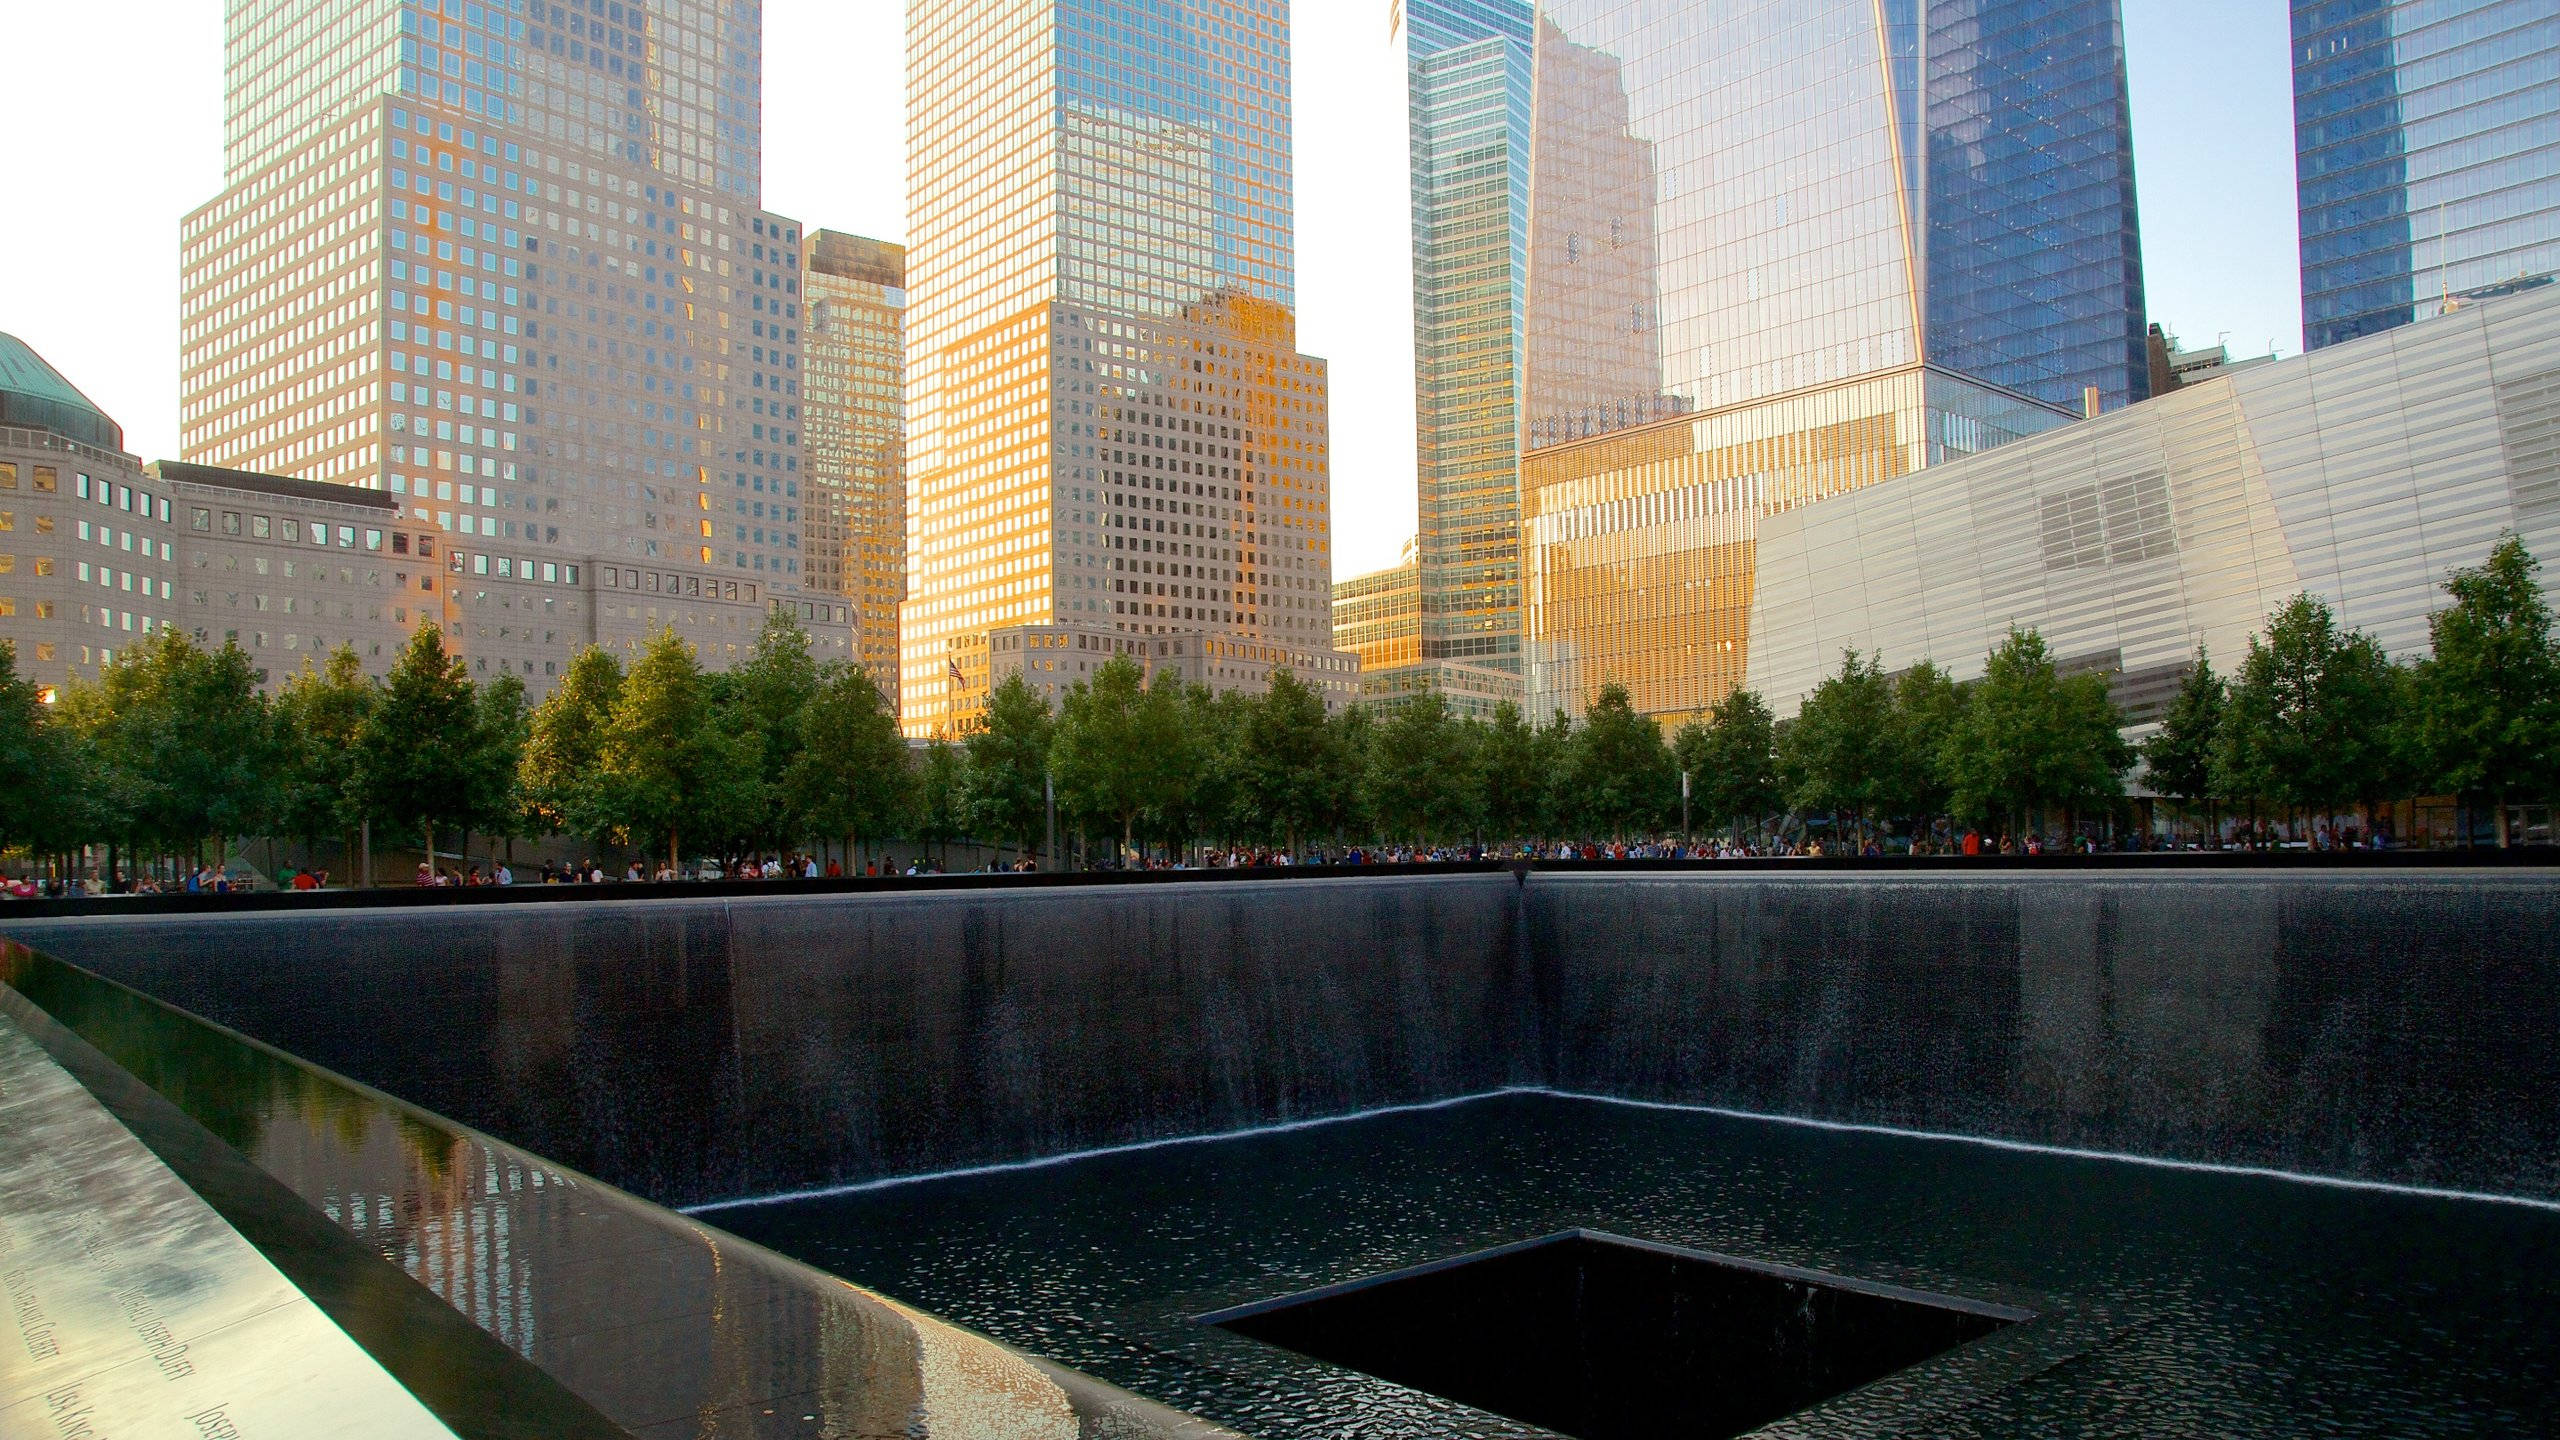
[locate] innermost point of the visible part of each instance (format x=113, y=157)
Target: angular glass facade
x=2034, y=250
x=1779, y=250
x=2427, y=155
x=1111, y=433
x=1468, y=73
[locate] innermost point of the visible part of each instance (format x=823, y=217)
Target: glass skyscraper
x=1468, y=71
x=1114, y=445
x=2427, y=155
x=506, y=262
x=853, y=534
x=1784, y=248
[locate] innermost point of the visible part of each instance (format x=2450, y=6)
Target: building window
x=47, y=482
x=8, y=475
x=230, y=522
x=199, y=518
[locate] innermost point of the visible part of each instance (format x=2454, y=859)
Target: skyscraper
x=2427, y=156
x=854, y=525
x=505, y=262
x=1113, y=440
x=1468, y=68
x=1781, y=249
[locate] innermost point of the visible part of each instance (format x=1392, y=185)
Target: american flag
x=956, y=676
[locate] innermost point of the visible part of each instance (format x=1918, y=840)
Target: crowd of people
x=2322, y=836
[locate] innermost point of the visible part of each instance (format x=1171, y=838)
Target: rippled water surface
x=2243, y=1306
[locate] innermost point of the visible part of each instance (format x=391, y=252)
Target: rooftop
x=282, y=486
x=34, y=393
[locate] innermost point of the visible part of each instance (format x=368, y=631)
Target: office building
x=1378, y=619
x=1468, y=68
x=2362, y=473
x=854, y=527
x=2427, y=156
x=1783, y=250
x=2174, y=366
x=1110, y=428
x=98, y=552
x=505, y=263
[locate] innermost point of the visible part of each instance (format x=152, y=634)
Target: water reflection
x=668, y=1326
x=2255, y=1307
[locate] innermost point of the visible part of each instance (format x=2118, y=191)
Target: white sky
x=104, y=165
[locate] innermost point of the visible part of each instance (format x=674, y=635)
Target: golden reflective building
x=1784, y=249
x=855, y=538
x=1111, y=431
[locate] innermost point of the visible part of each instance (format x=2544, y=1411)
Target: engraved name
x=34, y=1326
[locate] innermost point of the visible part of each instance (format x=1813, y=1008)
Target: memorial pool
x=2208, y=1303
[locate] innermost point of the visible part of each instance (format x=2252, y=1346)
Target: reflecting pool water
x=2225, y=1305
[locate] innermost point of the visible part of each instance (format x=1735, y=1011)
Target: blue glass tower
x=1468, y=74
x=2427, y=155
x=2034, y=252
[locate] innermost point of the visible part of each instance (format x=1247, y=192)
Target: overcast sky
x=103, y=164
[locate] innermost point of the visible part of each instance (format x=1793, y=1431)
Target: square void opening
x=1605, y=1338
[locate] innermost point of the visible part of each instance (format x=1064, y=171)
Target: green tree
x=418, y=753
x=1006, y=792
x=1559, y=806
x=1284, y=762
x=501, y=728
x=1419, y=780
x=851, y=778
x=320, y=716
x=1622, y=770
x=1511, y=782
x=2179, y=755
x=37, y=772
x=668, y=764
x=101, y=794
x=2487, y=701
x=564, y=747
x=1092, y=750
x=2308, y=713
x=1840, y=754
x=1170, y=764
x=2032, y=740
x=187, y=742
x=1209, y=803
x=766, y=694
x=1927, y=704
x=941, y=787
x=1342, y=785
x=1742, y=758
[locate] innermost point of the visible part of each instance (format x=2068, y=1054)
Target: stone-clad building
x=99, y=551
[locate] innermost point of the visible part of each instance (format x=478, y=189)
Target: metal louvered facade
x=2361, y=473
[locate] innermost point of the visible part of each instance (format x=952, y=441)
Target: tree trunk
x=2500, y=800
x=672, y=862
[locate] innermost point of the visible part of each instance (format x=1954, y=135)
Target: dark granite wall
x=2400, y=1026
x=700, y=1050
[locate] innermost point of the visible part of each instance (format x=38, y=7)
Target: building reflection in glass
x=2428, y=156
x=1468, y=70
x=1782, y=250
